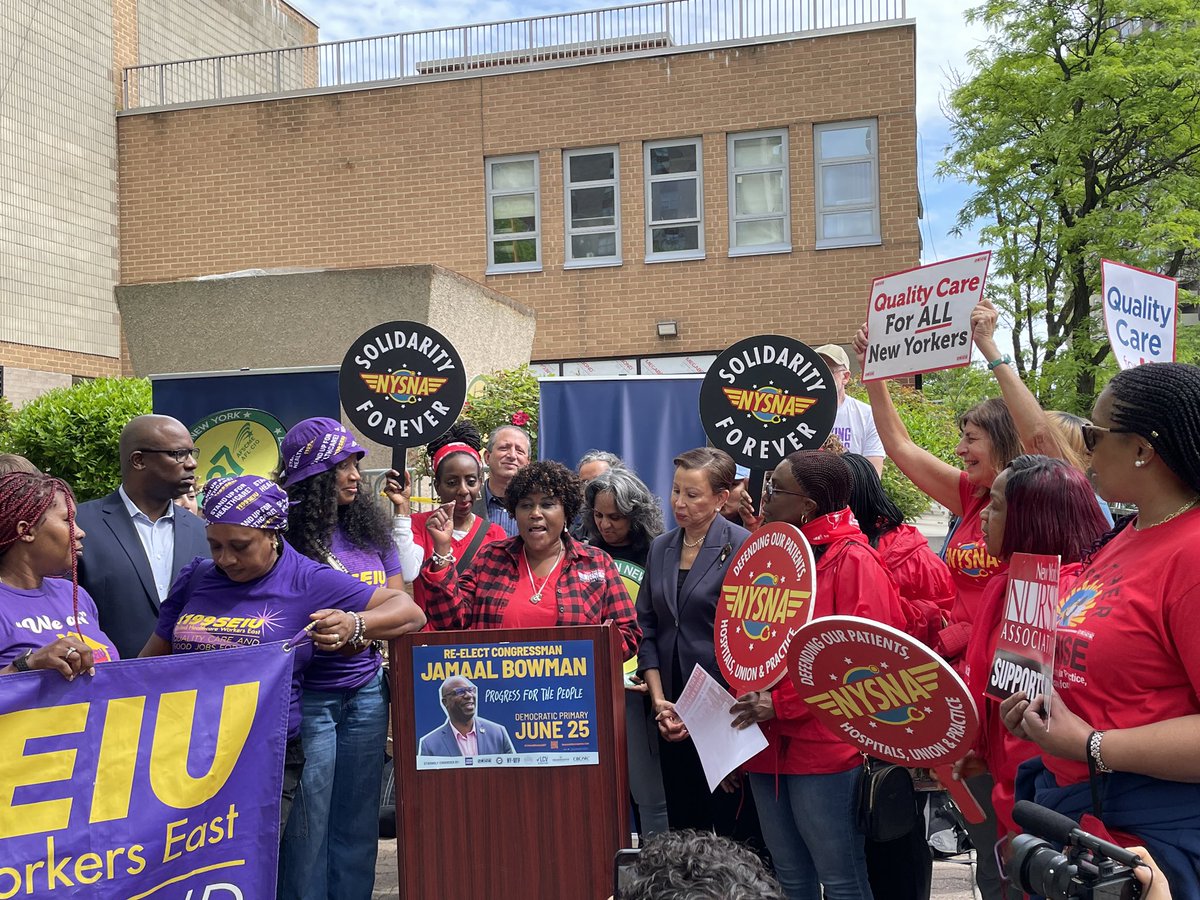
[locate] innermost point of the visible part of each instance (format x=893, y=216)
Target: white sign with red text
x=919, y=320
x=1139, y=313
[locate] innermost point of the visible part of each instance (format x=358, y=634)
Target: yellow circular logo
x=237, y=442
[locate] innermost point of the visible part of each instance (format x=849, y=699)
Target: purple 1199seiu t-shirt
x=333, y=671
x=207, y=611
x=35, y=618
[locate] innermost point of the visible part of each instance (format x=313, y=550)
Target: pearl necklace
x=536, y=597
x=1177, y=513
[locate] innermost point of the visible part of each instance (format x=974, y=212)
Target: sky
x=943, y=40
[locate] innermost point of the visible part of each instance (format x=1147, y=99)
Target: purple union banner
x=157, y=778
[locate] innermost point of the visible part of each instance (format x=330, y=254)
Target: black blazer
x=681, y=622
x=115, y=571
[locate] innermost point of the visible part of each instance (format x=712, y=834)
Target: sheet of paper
x=704, y=708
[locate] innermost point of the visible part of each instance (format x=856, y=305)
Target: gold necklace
x=536, y=597
x=1178, y=512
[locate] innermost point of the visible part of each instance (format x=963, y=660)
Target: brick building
x=63, y=63
x=668, y=179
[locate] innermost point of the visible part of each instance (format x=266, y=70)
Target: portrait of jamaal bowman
x=464, y=733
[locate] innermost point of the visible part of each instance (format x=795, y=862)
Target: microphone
x=1054, y=826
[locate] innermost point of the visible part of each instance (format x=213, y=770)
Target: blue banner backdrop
x=647, y=421
x=290, y=397
x=155, y=778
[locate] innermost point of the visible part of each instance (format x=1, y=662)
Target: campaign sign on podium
x=768, y=595
x=887, y=694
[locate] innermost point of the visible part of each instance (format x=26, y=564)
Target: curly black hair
x=315, y=512
x=550, y=478
x=461, y=432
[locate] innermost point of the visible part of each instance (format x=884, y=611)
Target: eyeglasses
x=462, y=692
x=771, y=491
x=178, y=455
x=1091, y=432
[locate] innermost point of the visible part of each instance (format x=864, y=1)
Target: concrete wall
x=22, y=385
x=395, y=176
x=58, y=162
x=310, y=319
x=170, y=30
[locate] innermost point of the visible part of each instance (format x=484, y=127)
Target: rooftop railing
x=534, y=42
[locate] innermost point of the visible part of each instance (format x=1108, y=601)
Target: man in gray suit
x=464, y=733
x=137, y=538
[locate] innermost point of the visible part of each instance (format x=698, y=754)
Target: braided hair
x=27, y=497
x=1159, y=402
x=824, y=477
x=461, y=432
x=874, y=509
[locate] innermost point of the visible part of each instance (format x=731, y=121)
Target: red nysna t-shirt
x=970, y=564
x=1128, y=648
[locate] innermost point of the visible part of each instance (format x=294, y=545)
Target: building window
x=514, y=214
x=593, y=207
x=847, y=158
x=759, y=212
x=674, y=201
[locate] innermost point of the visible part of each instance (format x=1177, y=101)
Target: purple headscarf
x=314, y=446
x=248, y=500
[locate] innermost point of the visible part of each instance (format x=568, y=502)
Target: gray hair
x=691, y=865
x=495, y=436
x=632, y=499
x=614, y=461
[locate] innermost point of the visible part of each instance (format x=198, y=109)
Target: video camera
x=1088, y=868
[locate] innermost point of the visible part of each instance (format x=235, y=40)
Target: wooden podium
x=511, y=833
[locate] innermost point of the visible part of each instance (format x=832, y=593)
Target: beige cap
x=835, y=353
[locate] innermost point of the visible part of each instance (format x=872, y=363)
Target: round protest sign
x=882, y=691
x=765, y=397
x=767, y=597
x=237, y=442
x=402, y=384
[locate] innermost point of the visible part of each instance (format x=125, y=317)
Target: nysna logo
x=972, y=559
x=890, y=698
x=761, y=604
x=768, y=404
x=1074, y=608
x=403, y=385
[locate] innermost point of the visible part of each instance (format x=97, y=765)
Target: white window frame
x=569, y=262
x=876, y=237
x=495, y=268
x=698, y=177
x=786, y=245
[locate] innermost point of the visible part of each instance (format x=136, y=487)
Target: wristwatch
x=21, y=663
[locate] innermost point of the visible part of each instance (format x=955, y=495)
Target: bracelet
x=21, y=663
x=359, y=639
x=1005, y=360
x=1095, y=760
x=439, y=560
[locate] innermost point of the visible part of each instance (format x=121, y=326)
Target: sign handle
x=960, y=794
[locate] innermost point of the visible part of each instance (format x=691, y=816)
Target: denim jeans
x=330, y=843
x=811, y=828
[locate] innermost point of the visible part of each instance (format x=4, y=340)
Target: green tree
x=1079, y=134
x=72, y=432
x=505, y=397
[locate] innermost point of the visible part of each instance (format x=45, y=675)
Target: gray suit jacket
x=115, y=571
x=681, y=621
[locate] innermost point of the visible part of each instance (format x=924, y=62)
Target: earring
x=1139, y=463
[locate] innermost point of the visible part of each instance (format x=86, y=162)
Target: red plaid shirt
x=589, y=590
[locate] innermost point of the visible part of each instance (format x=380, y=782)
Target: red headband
x=455, y=447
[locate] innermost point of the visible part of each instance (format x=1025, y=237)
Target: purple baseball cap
x=251, y=501
x=314, y=446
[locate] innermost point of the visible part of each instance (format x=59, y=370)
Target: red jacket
x=924, y=580
x=851, y=581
